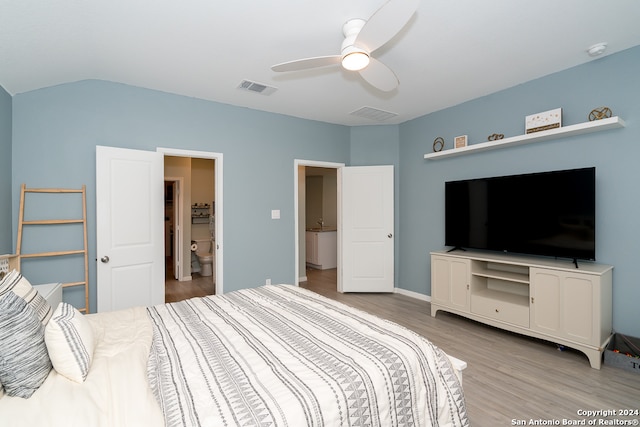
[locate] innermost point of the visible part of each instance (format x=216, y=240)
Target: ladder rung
x=56, y=253
x=52, y=221
x=71, y=284
x=52, y=190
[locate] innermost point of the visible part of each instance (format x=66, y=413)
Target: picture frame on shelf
x=460, y=141
x=545, y=120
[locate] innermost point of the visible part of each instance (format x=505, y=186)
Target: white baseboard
x=302, y=279
x=413, y=294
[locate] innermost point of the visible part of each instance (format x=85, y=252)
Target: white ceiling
x=451, y=51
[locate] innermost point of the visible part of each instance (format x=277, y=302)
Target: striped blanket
x=284, y=356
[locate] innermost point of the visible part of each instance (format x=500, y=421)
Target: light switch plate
x=275, y=214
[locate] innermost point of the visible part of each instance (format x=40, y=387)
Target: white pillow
x=70, y=342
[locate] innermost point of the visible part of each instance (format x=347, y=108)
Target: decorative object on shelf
x=438, y=144
x=460, y=141
x=546, y=120
x=495, y=136
x=600, y=113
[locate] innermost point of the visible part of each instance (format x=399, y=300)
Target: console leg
x=595, y=358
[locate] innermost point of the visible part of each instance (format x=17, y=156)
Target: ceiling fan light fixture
x=361, y=38
x=355, y=61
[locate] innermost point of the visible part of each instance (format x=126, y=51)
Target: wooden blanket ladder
x=45, y=222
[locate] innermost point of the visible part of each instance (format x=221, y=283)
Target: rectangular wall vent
x=256, y=87
x=373, y=114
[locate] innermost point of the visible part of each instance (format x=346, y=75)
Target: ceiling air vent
x=256, y=87
x=373, y=114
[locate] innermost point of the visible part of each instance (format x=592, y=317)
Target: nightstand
x=52, y=292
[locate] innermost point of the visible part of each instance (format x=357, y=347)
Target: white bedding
x=284, y=356
x=116, y=391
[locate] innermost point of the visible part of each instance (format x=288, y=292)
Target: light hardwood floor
x=509, y=377
x=175, y=291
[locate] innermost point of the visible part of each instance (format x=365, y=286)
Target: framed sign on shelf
x=460, y=141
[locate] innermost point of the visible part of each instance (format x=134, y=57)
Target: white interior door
x=177, y=230
x=176, y=225
x=366, y=241
x=129, y=222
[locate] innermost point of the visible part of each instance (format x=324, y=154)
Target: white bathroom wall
x=202, y=191
x=330, y=198
x=313, y=202
x=322, y=197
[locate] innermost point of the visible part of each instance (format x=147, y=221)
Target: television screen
x=548, y=213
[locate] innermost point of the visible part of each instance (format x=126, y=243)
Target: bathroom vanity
x=322, y=248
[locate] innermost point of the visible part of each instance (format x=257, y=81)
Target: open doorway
x=193, y=224
x=317, y=224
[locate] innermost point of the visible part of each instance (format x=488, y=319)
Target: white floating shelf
x=562, y=132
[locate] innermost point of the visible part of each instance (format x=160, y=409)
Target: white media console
x=543, y=298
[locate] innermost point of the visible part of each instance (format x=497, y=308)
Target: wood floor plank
x=198, y=286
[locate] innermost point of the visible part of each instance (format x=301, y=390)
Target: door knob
x=389, y=235
x=105, y=259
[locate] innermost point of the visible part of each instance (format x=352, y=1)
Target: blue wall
x=6, y=240
x=56, y=130
x=611, y=81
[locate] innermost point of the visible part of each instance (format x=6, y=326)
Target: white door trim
x=219, y=256
x=318, y=164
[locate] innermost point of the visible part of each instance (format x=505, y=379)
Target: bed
x=276, y=355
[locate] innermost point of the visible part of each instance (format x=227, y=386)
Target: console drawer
x=505, y=307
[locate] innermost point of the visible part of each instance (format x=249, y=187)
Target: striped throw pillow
x=70, y=342
x=19, y=285
x=24, y=361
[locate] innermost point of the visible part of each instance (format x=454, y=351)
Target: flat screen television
x=548, y=213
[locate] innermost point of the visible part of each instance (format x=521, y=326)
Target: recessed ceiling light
x=597, y=49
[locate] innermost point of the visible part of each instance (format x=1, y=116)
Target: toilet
x=205, y=257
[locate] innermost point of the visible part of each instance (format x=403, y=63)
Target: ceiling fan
x=362, y=38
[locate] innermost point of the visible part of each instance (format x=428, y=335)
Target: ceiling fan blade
x=385, y=23
x=380, y=76
x=305, y=64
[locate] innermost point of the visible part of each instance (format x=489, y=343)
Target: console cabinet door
x=544, y=308
x=563, y=304
x=450, y=282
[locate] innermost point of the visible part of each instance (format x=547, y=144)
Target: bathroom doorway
x=193, y=231
x=316, y=201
